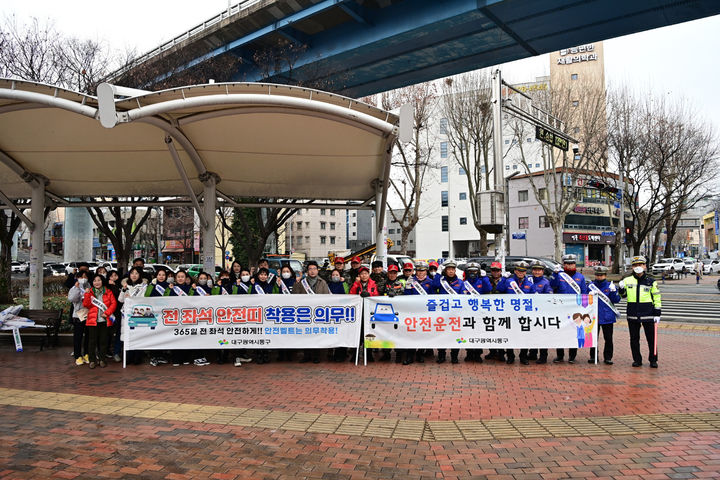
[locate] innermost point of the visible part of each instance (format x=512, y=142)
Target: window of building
x=391, y=231
x=299, y=240
x=577, y=156
x=411, y=241
x=323, y=239
x=445, y=254
x=354, y=224
x=463, y=195
x=463, y=220
x=332, y=240
x=544, y=222
x=461, y=171
x=522, y=195
x=537, y=165
x=332, y=225
x=507, y=142
x=322, y=211
x=444, y=223
x=523, y=222
x=354, y=214
x=575, y=103
x=444, y=174
x=444, y=198
x=323, y=225
x=443, y=150
x=332, y=212
x=529, y=140
x=507, y=167
x=443, y=125
x=574, y=76
x=542, y=193
x=299, y=225
x=307, y=224
x=515, y=167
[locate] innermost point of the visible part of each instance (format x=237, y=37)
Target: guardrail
x=196, y=30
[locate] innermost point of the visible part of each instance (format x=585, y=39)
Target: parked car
x=398, y=260
x=57, y=269
x=690, y=265
x=711, y=266
x=277, y=263
x=669, y=265
x=71, y=266
x=152, y=268
x=195, y=268
x=19, y=267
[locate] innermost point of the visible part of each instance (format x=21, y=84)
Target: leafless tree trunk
x=413, y=159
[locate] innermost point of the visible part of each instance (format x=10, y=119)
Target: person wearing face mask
x=134, y=278
x=526, y=287
x=79, y=316
x=204, y=284
x=493, y=284
x=243, y=283
x=643, y=309
x=561, y=285
x=456, y=288
x=337, y=286
x=542, y=286
x=393, y=287
x=606, y=316
x=432, y=269
x=475, y=280
x=224, y=285
x=101, y=271
x=312, y=283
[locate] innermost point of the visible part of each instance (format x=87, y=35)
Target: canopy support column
x=210, y=180
x=185, y=179
x=38, y=244
x=380, y=246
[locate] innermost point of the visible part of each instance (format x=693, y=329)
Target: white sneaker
x=245, y=359
x=238, y=361
x=176, y=364
x=200, y=362
x=153, y=362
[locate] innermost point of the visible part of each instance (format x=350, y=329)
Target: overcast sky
x=680, y=61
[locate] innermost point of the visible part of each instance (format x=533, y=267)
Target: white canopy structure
x=200, y=142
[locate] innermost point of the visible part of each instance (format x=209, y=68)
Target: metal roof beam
x=188, y=186
x=17, y=211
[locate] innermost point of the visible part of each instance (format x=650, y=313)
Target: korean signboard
x=546, y=136
x=481, y=321
x=241, y=321
x=599, y=237
x=581, y=53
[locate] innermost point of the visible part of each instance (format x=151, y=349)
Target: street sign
x=518, y=236
x=545, y=135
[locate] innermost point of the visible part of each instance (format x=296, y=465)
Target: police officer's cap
x=472, y=266
x=569, y=258
x=537, y=264
x=638, y=260
x=450, y=263
x=601, y=270
x=421, y=266
x=521, y=266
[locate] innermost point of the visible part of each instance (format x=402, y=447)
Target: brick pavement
x=594, y=421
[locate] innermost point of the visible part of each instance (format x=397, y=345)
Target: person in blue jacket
x=493, y=284
x=527, y=287
x=542, y=286
x=421, y=277
x=475, y=279
x=449, y=269
x=561, y=286
x=606, y=316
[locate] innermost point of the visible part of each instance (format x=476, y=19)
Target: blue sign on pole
x=717, y=222
x=518, y=236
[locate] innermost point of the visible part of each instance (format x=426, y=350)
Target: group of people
x=97, y=300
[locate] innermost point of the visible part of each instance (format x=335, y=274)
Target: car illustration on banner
x=142, y=315
x=384, y=312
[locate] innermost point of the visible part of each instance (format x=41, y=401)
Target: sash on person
x=470, y=288
x=516, y=288
x=179, y=291
x=259, y=290
x=446, y=286
x=284, y=288
x=570, y=282
x=306, y=286
x=596, y=291
x=223, y=291
x=160, y=289
x=416, y=285
x=99, y=304
x=199, y=290
x=244, y=287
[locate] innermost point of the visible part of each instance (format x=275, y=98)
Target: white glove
x=557, y=269
x=613, y=288
x=621, y=284
x=124, y=282
x=656, y=319
x=154, y=281
x=506, y=274
x=483, y=273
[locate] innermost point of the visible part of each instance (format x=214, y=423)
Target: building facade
x=317, y=232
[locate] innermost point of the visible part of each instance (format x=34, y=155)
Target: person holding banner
x=133, y=284
x=224, y=285
x=159, y=286
x=542, y=286
x=337, y=286
x=567, y=280
x=204, y=285
x=114, y=343
x=286, y=280
x=449, y=284
x=643, y=308
x=311, y=284
x=101, y=304
x=79, y=317
x=235, y=272
x=432, y=269
x=420, y=284
x=393, y=287
x=473, y=286
x=366, y=287
x=243, y=284
x=263, y=284
x=519, y=285
x=606, y=315
x=351, y=275
x=494, y=284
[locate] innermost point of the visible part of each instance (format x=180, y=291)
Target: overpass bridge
x=361, y=47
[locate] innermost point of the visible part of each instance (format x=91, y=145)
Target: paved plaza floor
x=385, y=420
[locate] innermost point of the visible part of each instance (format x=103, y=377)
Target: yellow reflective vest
x=643, y=298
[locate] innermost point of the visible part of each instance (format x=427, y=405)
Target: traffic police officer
x=643, y=308
x=457, y=286
x=606, y=315
x=526, y=286
x=542, y=285
x=495, y=283
x=560, y=285
x=426, y=283
x=472, y=276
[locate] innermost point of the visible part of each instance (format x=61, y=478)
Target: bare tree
x=581, y=106
x=222, y=234
x=412, y=160
x=128, y=222
x=466, y=103
x=31, y=51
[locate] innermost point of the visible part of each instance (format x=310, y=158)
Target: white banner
x=486, y=321
x=241, y=321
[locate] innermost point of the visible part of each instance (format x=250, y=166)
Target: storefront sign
x=589, y=210
x=587, y=238
x=581, y=53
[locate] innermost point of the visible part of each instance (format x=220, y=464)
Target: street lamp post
x=507, y=214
